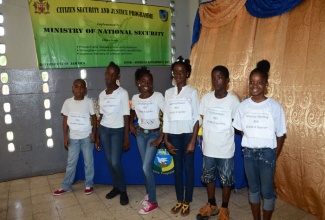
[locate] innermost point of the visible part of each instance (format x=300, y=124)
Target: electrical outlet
x=27, y=147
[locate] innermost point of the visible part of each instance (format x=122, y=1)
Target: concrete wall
x=32, y=156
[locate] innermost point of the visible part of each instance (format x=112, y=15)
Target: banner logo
x=163, y=14
x=41, y=7
x=163, y=163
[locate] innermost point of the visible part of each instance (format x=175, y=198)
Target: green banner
x=86, y=33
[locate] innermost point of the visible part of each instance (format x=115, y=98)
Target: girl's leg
x=105, y=138
x=147, y=166
x=267, y=168
x=116, y=143
x=176, y=141
x=189, y=169
x=251, y=157
x=141, y=141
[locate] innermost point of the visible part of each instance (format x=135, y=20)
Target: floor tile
x=32, y=199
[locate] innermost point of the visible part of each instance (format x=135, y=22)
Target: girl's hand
x=97, y=144
x=97, y=147
x=126, y=144
x=133, y=130
x=156, y=142
x=171, y=149
x=190, y=148
x=92, y=139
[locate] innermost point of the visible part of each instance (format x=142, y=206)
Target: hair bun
x=263, y=65
x=143, y=68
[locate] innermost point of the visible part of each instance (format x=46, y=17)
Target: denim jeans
x=259, y=168
x=221, y=167
x=181, y=158
x=148, y=154
x=112, y=140
x=73, y=155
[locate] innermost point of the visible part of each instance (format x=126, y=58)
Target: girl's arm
x=126, y=145
x=191, y=145
x=171, y=149
x=98, y=133
x=131, y=125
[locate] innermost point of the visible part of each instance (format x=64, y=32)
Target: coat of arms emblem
x=41, y=7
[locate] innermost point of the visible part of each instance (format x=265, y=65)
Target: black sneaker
x=114, y=192
x=124, y=199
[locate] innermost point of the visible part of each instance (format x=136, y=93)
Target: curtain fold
x=294, y=43
x=270, y=8
x=219, y=13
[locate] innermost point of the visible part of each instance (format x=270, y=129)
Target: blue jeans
x=181, y=158
x=112, y=140
x=221, y=167
x=259, y=168
x=148, y=154
x=73, y=155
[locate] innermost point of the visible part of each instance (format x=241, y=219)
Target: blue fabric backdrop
x=270, y=8
x=132, y=164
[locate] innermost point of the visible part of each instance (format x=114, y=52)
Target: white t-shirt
x=261, y=123
x=147, y=110
x=218, y=133
x=78, y=112
x=181, y=110
x=113, y=107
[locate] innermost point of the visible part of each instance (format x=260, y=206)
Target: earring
x=172, y=73
x=117, y=82
x=139, y=84
x=174, y=82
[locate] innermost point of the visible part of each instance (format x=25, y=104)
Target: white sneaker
x=145, y=199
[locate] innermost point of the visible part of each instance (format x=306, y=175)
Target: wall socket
x=27, y=147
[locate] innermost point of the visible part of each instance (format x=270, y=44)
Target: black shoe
x=124, y=199
x=114, y=192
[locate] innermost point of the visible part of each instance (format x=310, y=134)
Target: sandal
x=185, y=210
x=176, y=208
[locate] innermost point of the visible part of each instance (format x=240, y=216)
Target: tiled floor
x=32, y=198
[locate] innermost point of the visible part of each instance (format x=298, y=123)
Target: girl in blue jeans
x=262, y=122
x=114, y=129
x=181, y=124
x=146, y=106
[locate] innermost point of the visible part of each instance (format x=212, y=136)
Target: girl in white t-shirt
x=146, y=107
x=181, y=124
x=114, y=129
x=262, y=122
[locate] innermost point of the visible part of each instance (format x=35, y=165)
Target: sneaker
x=60, y=191
x=114, y=192
x=145, y=199
x=124, y=199
x=207, y=211
x=88, y=190
x=223, y=214
x=149, y=207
